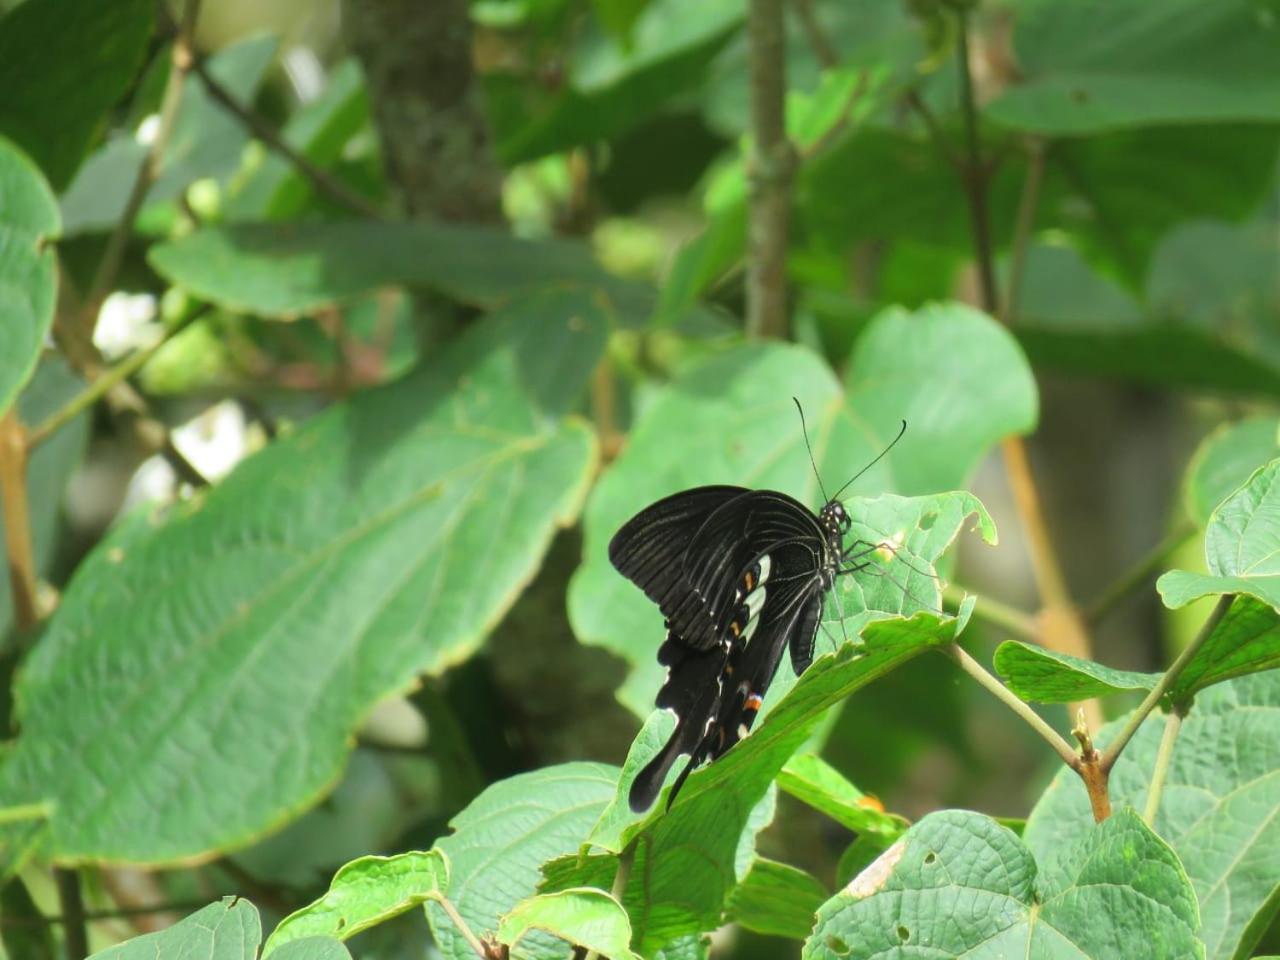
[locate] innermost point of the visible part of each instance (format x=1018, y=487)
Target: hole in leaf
x=904, y=934
x=837, y=946
x=926, y=520
x=342, y=922
x=930, y=857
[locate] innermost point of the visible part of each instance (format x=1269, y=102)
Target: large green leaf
x=381, y=540
x=1225, y=460
x=28, y=284
x=63, y=64
x=226, y=930
x=963, y=387
x=777, y=900
x=688, y=860
x=1046, y=676
x=1089, y=66
x=959, y=884
x=288, y=269
x=503, y=838
x=588, y=919
x=813, y=781
x=50, y=465
x=364, y=893
x=1219, y=809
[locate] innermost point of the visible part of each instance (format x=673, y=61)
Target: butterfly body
x=740, y=576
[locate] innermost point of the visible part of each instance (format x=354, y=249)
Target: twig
x=1012, y=701
x=1090, y=769
x=1139, y=573
x=17, y=521
x=976, y=175
x=1028, y=203
x=934, y=129
x=817, y=37
x=1166, y=682
x=101, y=385
x=321, y=179
x=771, y=168
x=75, y=932
x=993, y=611
x=604, y=410
x=473, y=941
x=113, y=256
x=1172, y=724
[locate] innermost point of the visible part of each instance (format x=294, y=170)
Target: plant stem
x=1028, y=202
x=104, y=382
x=456, y=919
x=975, y=176
x=813, y=32
x=1172, y=724
x=995, y=612
x=108, y=268
x=74, y=930
x=620, y=879
x=24, y=811
x=17, y=520
x=1166, y=682
x=770, y=170
x=1011, y=700
x=1139, y=573
x=321, y=179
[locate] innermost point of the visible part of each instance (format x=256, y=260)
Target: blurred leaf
x=777, y=900
x=586, y=918
x=327, y=571
x=364, y=893
x=1046, y=676
x=226, y=930
x=287, y=269
x=619, y=16
x=319, y=130
x=1241, y=546
x=1091, y=66
x=207, y=141
x=813, y=781
x=502, y=839
x=1220, y=816
x=50, y=465
x=695, y=431
x=688, y=859
x=28, y=282
x=25, y=933
x=959, y=884
x=313, y=948
x=1225, y=460
x=63, y=65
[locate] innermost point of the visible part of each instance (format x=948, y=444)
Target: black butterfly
x=740, y=575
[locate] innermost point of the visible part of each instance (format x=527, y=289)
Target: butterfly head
x=834, y=519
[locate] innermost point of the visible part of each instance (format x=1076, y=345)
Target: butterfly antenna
x=805, y=429
x=881, y=456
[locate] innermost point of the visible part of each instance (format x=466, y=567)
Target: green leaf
x=1241, y=545
x=1046, y=676
x=689, y=435
x=364, y=893
x=502, y=839
x=1220, y=816
x=1225, y=460
x=313, y=948
x=1090, y=66
x=1246, y=640
x=28, y=282
x=584, y=917
x=326, y=572
x=687, y=860
x=777, y=900
x=226, y=930
x=813, y=781
x=959, y=884
x=48, y=51
x=288, y=269
x=50, y=465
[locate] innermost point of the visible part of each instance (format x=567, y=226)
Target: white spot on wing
x=765, y=565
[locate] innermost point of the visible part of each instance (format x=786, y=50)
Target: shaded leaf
x=504, y=836
x=777, y=900
x=28, y=284
x=813, y=781
x=1225, y=460
x=48, y=49
x=313, y=948
x=226, y=930
x=364, y=893
x=583, y=917
x=1046, y=676
x=1220, y=816
x=327, y=571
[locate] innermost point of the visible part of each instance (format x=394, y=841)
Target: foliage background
x=461, y=288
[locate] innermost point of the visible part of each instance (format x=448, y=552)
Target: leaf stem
x=1028, y=203
x=975, y=175
x=620, y=880
x=1012, y=701
x=75, y=932
x=109, y=267
x=770, y=170
x=456, y=919
x=1165, y=683
x=817, y=37
x=1172, y=724
x=17, y=520
x=993, y=611
x=1139, y=573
